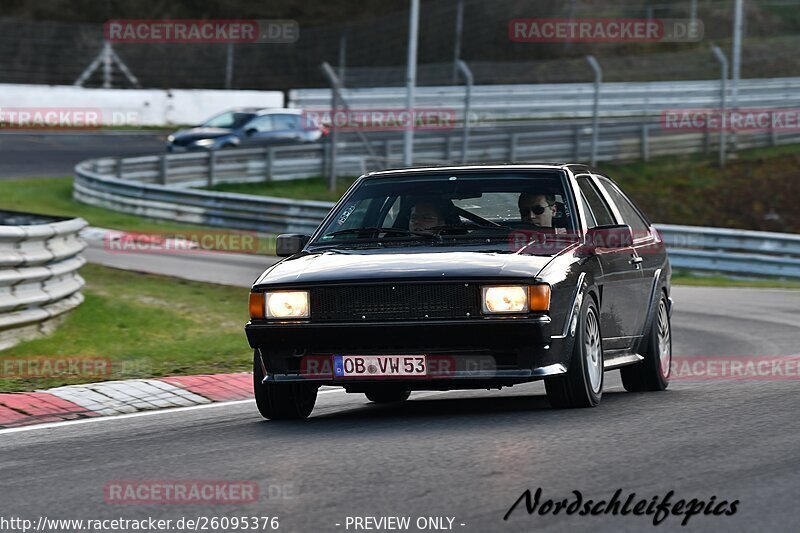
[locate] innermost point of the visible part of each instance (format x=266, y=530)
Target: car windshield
x=491, y=210
x=230, y=119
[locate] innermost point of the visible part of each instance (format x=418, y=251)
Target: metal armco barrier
x=39, y=280
x=562, y=100
x=733, y=251
x=737, y=252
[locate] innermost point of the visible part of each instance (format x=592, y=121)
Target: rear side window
x=629, y=213
x=600, y=211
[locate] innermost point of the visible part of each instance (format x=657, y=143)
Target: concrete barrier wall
x=132, y=107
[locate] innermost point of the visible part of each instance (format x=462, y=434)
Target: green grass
x=147, y=326
x=53, y=196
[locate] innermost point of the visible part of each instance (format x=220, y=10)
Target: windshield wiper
x=390, y=231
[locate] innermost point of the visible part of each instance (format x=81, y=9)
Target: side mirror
x=612, y=236
x=250, y=132
x=290, y=244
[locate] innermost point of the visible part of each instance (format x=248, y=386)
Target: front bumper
x=478, y=352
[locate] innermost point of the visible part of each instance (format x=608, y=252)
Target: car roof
x=265, y=110
x=574, y=167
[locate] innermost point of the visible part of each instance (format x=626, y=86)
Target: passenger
x=427, y=213
x=537, y=209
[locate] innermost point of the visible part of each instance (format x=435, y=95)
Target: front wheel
x=582, y=385
x=652, y=374
x=282, y=401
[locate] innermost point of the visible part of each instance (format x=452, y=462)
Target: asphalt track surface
x=462, y=454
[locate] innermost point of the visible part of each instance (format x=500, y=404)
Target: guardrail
x=562, y=100
x=733, y=251
x=737, y=252
x=39, y=280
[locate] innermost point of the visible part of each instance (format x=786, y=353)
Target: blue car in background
x=248, y=127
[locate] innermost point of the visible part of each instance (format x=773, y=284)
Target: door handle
x=636, y=261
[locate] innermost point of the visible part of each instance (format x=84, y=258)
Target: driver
x=537, y=209
x=427, y=213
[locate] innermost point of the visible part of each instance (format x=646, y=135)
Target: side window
x=600, y=211
x=262, y=123
x=286, y=122
x=590, y=220
x=629, y=214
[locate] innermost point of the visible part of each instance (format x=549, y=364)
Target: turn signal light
x=539, y=297
x=256, y=305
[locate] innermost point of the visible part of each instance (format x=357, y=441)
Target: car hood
x=193, y=134
x=388, y=264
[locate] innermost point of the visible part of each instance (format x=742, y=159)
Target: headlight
x=287, y=304
x=516, y=298
x=205, y=142
x=507, y=299
x=170, y=138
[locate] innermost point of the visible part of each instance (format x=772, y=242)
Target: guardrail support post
x=513, y=139
x=773, y=134
x=118, y=169
x=270, y=162
x=646, y=142
x=577, y=143
x=162, y=169
x=387, y=151
x=212, y=167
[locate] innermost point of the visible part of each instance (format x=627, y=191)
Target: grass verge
x=146, y=325
x=702, y=280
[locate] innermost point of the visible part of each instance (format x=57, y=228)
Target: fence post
x=646, y=142
x=270, y=162
x=722, y=96
x=598, y=79
x=212, y=167
x=162, y=169
x=467, y=105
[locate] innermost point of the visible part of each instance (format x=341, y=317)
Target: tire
x=582, y=385
x=652, y=374
x=282, y=401
x=388, y=395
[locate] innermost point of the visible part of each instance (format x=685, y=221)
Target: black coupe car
x=247, y=128
x=465, y=277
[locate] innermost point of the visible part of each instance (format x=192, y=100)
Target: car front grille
x=395, y=302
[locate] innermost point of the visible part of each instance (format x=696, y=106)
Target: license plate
x=379, y=365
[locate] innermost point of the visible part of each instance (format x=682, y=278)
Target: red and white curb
x=119, y=397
